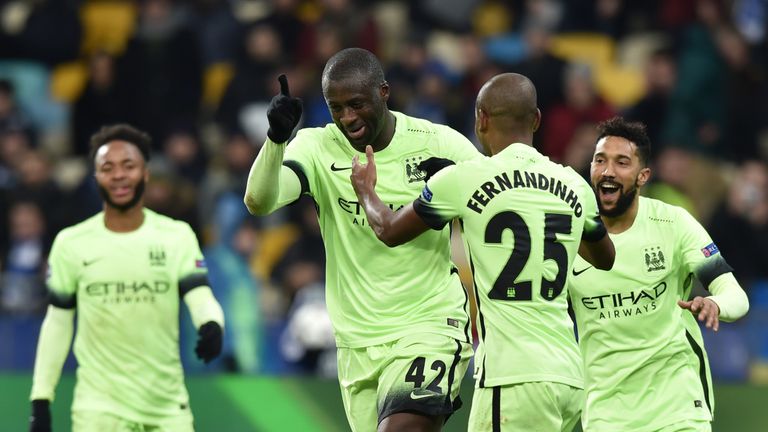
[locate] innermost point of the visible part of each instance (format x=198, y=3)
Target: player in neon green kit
x=400, y=316
x=523, y=219
x=124, y=271
x=645, y=364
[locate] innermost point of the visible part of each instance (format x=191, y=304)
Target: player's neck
x=624, y=221
x=387, y=134
x=123, y=220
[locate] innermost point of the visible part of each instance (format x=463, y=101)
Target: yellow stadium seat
x=68, y=81
x=620, y=86
x=107, y=25
x=215, y=81
x=274, y=243
x=589, y=48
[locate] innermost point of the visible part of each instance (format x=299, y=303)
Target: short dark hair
x=121, y=132
x=632, y=131
x=354, y=63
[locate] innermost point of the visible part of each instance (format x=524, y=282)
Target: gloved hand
x=209, y=339
x=40, y=420
x=434, y=164
x=283, y=113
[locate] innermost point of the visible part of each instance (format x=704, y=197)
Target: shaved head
x=506, y=112
x=509, y=95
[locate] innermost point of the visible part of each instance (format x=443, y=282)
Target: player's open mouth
x=609, y=190
x=357, y=133
x=121, y=191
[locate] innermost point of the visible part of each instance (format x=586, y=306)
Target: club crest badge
x=654, y=259
x=157, y=256
x=412, y=172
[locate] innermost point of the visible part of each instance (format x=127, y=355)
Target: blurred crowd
x=198, y=76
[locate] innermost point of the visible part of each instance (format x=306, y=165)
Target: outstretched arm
x=392, y=228
x=728, y=302
x=270, y=185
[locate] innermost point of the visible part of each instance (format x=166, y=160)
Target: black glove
x=283, y=113
x=208, y=341
x=434, y=164
x=40, y=420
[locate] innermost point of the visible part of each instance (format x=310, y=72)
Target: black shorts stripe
x=468, y=325
x=191, y=282
x=452, y=375
x=702, y=368
x=480, y=317
x=496, y=409
x=297, y=168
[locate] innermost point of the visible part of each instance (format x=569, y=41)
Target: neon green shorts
x=97, y=421
x=533, y=406
x=420, y=373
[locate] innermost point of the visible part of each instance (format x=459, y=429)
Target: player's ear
x=537, y=120
x=384, y=91
x=481, y=120
x=643, y=176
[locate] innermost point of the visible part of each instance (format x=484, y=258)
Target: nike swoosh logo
x=335, y=168
x=87, y=263
x=576, y=273
x=417, y=396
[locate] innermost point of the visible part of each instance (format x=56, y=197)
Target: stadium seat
x=107, y=25
x=68, y=80
x=216, y=78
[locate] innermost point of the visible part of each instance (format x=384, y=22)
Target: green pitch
x=266, y=404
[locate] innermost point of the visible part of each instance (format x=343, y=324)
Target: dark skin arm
x=392, y=228
x=600, y=254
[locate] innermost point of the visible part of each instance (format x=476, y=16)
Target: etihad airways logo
x=125, y=292
x=632, y=303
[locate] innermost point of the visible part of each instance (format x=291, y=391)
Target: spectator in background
x=219, y=196
x=740, y=224
x=745, y=82
x=36, y=183
x=160, y=73
x=582, y=105
x=22, y=263
x=660, y=79
x=284, y=19
x=250, y=88
x=48, y=31
x=696, y=113
x=184, y=155
x=11, y=116
x=100, y=102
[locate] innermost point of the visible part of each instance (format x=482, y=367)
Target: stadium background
x=199, y=74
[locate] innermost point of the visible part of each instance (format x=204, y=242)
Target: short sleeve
x=457, y=147
x=61, y=277
x=698, y=252
x=437, y=204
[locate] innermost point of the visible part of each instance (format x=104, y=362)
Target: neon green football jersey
x=374, y=293
x=644, y=359
x=126, y=287
x=523, y=218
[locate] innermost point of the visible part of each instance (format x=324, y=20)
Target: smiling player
x=400, y=316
